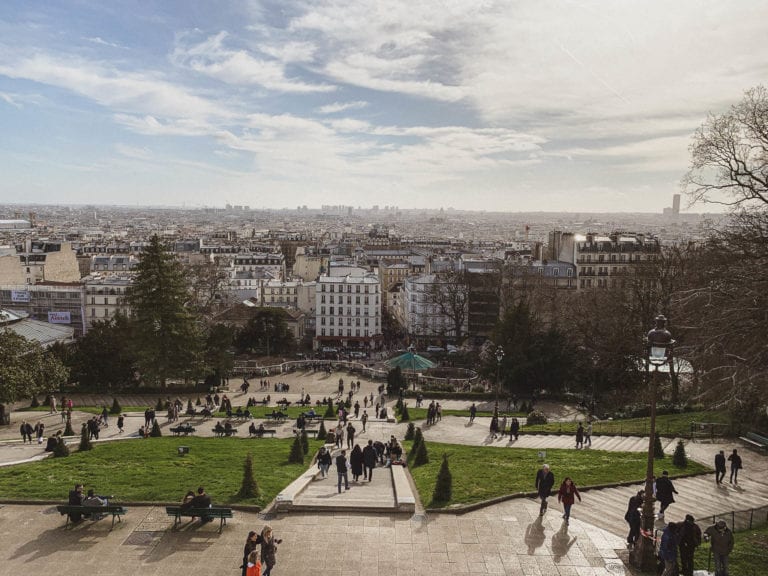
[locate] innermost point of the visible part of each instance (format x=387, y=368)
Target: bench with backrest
x=185, y=429
x=262, y=433
x=755, y=439
x=114, y=509
x=312, y=418
x=178, y=512
x=225, y=432
x=278, y=416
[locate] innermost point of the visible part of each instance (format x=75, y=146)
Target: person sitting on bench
x=93, y=500
x=202, y=500
x=228, y=428
x=76, y=499
x=206, y=412
x=218, y=429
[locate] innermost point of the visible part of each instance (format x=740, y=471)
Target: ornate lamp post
x=499, y=358
x=659, y=345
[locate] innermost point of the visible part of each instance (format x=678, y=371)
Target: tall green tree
x=26, y=369
x=101, y=361
x=166, y=338
x=266, y=333
x=219, y=351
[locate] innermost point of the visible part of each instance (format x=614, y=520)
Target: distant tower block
x=676, y=204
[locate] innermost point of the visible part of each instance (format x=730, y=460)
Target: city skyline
x=552, y=107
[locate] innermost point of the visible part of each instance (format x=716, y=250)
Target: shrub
x=321, y=432
x=198, y=402
x=116, y=408
x=404, y=416
x=85, y=441
x=61, y=450
x=420, y=457
x=35, y=403
x=409, y=433
x=47, y=400
x=190, y=408
x=68, y=431
x=399, y=404
x=680, y=458
x=304, y=441
x=658, y=451
x=330, y=412
x=249, y=488
x=296, y=455
x=536, y=417
x=160, y=406
x=156, y=432
x=444, y=485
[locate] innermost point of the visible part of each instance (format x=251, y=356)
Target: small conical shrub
x=330, y=412
x=409, y=433
x=35, y=403
x=116, y=408
x=404, y=416
x=658, y=451
x=68, y=431
x=160, y=405
x=321, y=432
x=198, y=402
x=420, y=456
x=61, y=450
x=85, y=442
x=418, y=437
x=190, y=408
x=296, y=455
x=444, y=484
x=156, y=432
x=249, y=488
x=304, y=441
x=399, y=405
x=680, y=458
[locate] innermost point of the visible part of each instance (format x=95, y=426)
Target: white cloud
x=99, y=40
x=341, y=107
x=9, y=99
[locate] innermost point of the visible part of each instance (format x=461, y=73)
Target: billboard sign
x=59, y=318
x=19, y=296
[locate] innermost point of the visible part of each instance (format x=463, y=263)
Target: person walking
x=514, y=428
x=567, y=494
x=664, y=492
x=719, y=467
x=472, y=413
x=369, y=461
x=545, y=480
x=634, y=518
x=668, y=549
x=580, y=437
x=735, y=461
x=324, y=461
x=588, y=435
x=350, y=436
x=721, y=541
x=26, y=432
x=356, y=462
x=690, y=539
x=268, y=550
x=120, y=423
x=341, y=469
x=364, y=419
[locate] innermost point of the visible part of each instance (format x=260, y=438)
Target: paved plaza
x=329, y=537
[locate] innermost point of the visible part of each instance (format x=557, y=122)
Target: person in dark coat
x=720, y=467
x=634, y=518
x=545, y=480
x=580, y=437
x=668, y=549
x=567, y=494
x=202, y=500
x=690, y=539
x=268, y=550
x=251, y=543
x=664, y=492
x=341, y=469
x=514, y=428
x=76, y=499
x=720, y=538
x=369, y=460
x=735, y=461
x=356, y=462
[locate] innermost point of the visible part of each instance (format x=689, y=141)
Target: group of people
x=28, y=432
x=260, y=552
x=360, y=462
x=566, y=494
x=434, y=412
x=584, y=436
x=199, y=500
x=684, y=537
x=91, y=499
x=736, y=465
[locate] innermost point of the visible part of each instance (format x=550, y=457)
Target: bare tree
x=449, y=295
x=729, y=154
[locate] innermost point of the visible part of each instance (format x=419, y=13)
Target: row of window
x=331, y=321
x=332, y=311
x=349, y=288
x=349, y=299
x=613, y=258
x=340, y=332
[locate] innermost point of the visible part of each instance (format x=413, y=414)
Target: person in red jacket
x=567, y=495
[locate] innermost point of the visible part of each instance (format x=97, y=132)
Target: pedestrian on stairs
x=735, y=461
x=664, y=492
x=545, y=480
x=690, y=539
x=567, y=495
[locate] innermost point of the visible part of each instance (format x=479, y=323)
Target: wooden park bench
x=114, y=509
x=277, y=416
x=265, y=432
x=185, y=429
x=222, y=433
x=755, y=439
x=213, y=512
x=315, y=418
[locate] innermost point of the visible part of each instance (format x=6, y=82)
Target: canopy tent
x=410, y=361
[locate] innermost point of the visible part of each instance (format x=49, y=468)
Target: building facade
x=348, y=312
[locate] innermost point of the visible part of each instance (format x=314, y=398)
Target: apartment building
x=105, y=297
x=348, y=312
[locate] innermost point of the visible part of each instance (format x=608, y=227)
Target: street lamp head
x=499, y=354
x=659, y=343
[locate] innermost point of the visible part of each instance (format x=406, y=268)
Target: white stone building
x=348, y=312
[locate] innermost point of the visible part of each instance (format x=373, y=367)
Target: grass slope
x=749, y=556
x=667, y=424
x=152, y=470
x=481, y=473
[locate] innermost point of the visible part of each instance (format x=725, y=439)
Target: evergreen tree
x=418, y=439
x=321, y=432
x=444, y=484
x=658, y=451
x=249, y=488
x=116, y=408
x=85, y=441
x=165, y=336
x=156, y=432
x=68, y=430
x=190, y=407
x=420, y=457
x=304, y=441
x=404, y=415
x=35, y=402
x=101, y=361
x=297, y=451
x=61, y=450
x=680, y=458
x=330, y=412
x=411, y=430
x=159, y=405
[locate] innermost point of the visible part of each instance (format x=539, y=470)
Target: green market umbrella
x=410, y=361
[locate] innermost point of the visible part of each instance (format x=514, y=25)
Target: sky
x=539, y=105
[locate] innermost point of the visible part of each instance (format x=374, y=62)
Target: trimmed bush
x=321, y=432
x=658, y=451
x=85, y=441
x=296, y=455
x=249, y=488
x=330, y=412
x=47, y=400
x=409, y=433
x=680, y=458
x=116, y=408
x=304, y=441
x=198, y=402
x=68, y=431
x=399, y=404
x=61, y=450
x=190, y=408
x=35, y=403
x=404, y=416
x=156, y=432
x=160, y=406
x=420, y=457
x=444, y=484
x=536, y=417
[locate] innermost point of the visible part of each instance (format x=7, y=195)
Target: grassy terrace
x=667, y=424
x=152, y=470
x=481, y=473
x=421, y=413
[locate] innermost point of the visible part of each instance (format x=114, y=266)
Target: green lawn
x=667, y=424
x=481, y=473
x=749, y=553
x=421, y=413
x=152, y=470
